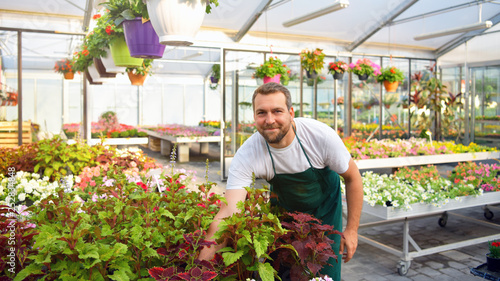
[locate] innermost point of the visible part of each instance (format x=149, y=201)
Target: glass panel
x=485, y=101
x=453, y=116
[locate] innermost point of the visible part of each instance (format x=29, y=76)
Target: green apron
x=316, y=192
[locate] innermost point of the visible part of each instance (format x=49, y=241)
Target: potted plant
x=357, y=104
x=389, y=100
x=271, y=70
x=215, y=76
x=141, y=38
x=312, y=61
x=176, y=22
x=289, y=76
x=84, y=62
x=137, y=75
x=390, y=76
x=364, y=68
x=493, y=257
x=337, y=69
x=65, y=66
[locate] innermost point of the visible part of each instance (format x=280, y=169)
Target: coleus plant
x=116, y=233
x=313, y=247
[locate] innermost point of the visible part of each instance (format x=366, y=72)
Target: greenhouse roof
x=383, y=27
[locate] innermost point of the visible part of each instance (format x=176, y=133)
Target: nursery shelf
x=419, y=210
x=424, y=160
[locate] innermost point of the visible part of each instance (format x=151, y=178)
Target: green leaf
x=119, y=275
x=32, y=268
x=230, y=258
x=87, y=251
x=266, y=272
x=128, y=14
x=260, y=243
x=48, y=172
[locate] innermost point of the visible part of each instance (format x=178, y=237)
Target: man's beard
x=281, y=134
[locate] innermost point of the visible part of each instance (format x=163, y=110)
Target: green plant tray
x=482, y=271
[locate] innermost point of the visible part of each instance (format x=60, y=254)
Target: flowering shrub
x=272, y=67
x=480, y=175
x=108, y=121
x=494, y=249
x=30, y=187
x=337, y=67
x=64, y=66
x=181, y=130
x=365, y=66
x=122, y=131
x=312, y=60
x=82, y=59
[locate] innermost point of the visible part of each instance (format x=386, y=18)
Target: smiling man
x=301, y=159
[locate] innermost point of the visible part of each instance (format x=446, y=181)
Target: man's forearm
x=354, y=198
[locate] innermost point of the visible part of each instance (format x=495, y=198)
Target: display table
x=397, y=162
x=183, y=143
x=392, y=215
x=116, y=141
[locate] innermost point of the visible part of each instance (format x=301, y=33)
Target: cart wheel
x=488, y=214
x=443, y=219
x=403, y=267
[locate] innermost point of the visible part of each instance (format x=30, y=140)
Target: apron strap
x=270, y=154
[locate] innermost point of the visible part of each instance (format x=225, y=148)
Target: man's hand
x=348, y=244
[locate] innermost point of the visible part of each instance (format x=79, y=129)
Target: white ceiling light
x=467, y=28
x=341, y=4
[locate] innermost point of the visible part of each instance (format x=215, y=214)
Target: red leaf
x=159, y=273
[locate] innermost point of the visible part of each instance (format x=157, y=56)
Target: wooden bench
x=9, y=133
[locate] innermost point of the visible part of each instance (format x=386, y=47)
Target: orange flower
x=96, y=16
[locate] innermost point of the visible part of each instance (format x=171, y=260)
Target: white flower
x=28, y=189
x=21, y=196
x=78, y=179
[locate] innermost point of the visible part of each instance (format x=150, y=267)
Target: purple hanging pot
x=142, y=40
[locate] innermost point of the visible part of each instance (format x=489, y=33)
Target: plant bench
x=9, y=133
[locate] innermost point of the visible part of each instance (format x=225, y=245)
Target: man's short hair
x=271, y=88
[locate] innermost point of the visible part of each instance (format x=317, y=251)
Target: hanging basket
x=109, y=63
x=311, y=74
x=121, y=54
x=391, y=86
x=214, y=80
x=94, y=74
x=338, y=75
x=363, y=77
x=275, y=79
x=69, y=75
x=176, y=22
x=142, y=40
x=136, y=79
x=102, y=70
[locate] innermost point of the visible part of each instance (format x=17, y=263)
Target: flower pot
x=142, y=40
x=310, y=82
x=121, y=54
x=338, y=75
x=275, y=79
x=391, y=86
x=93, y=75
x=493, y=264
x=69, y=75
x=90, y=79
x=109, y=63
x=102, y=70
x=311, y=74
x=176, y=22
x=387, y=106
x=363, y=77
x=136, y=79
x=214, y=80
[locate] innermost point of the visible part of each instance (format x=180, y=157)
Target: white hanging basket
x=95, y=74
x=176, y=21
x=110, y=65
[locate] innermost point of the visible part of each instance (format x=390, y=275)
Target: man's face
x=272, y=118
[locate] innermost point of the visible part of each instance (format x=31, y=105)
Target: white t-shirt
x=321, y=143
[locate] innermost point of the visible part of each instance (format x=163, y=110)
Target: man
x=302, y=159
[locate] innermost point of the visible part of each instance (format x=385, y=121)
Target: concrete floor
x=370, y=263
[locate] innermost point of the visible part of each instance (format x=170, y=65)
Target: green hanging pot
x=121, y=54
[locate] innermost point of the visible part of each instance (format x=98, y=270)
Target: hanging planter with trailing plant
x=102, y=70
x=271, y=70
x=364, y=68
x=137, y=75
x=215, y=76
x=312, y=62
x=337, y=69
x=109, y=63
x=121, y=54
x=65, y=67
x=390, y=76
x=176, y=22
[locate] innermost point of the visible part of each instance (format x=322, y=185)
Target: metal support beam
x=447, y=47
x=19, y=88
x=387, y=20
x=252, y=19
